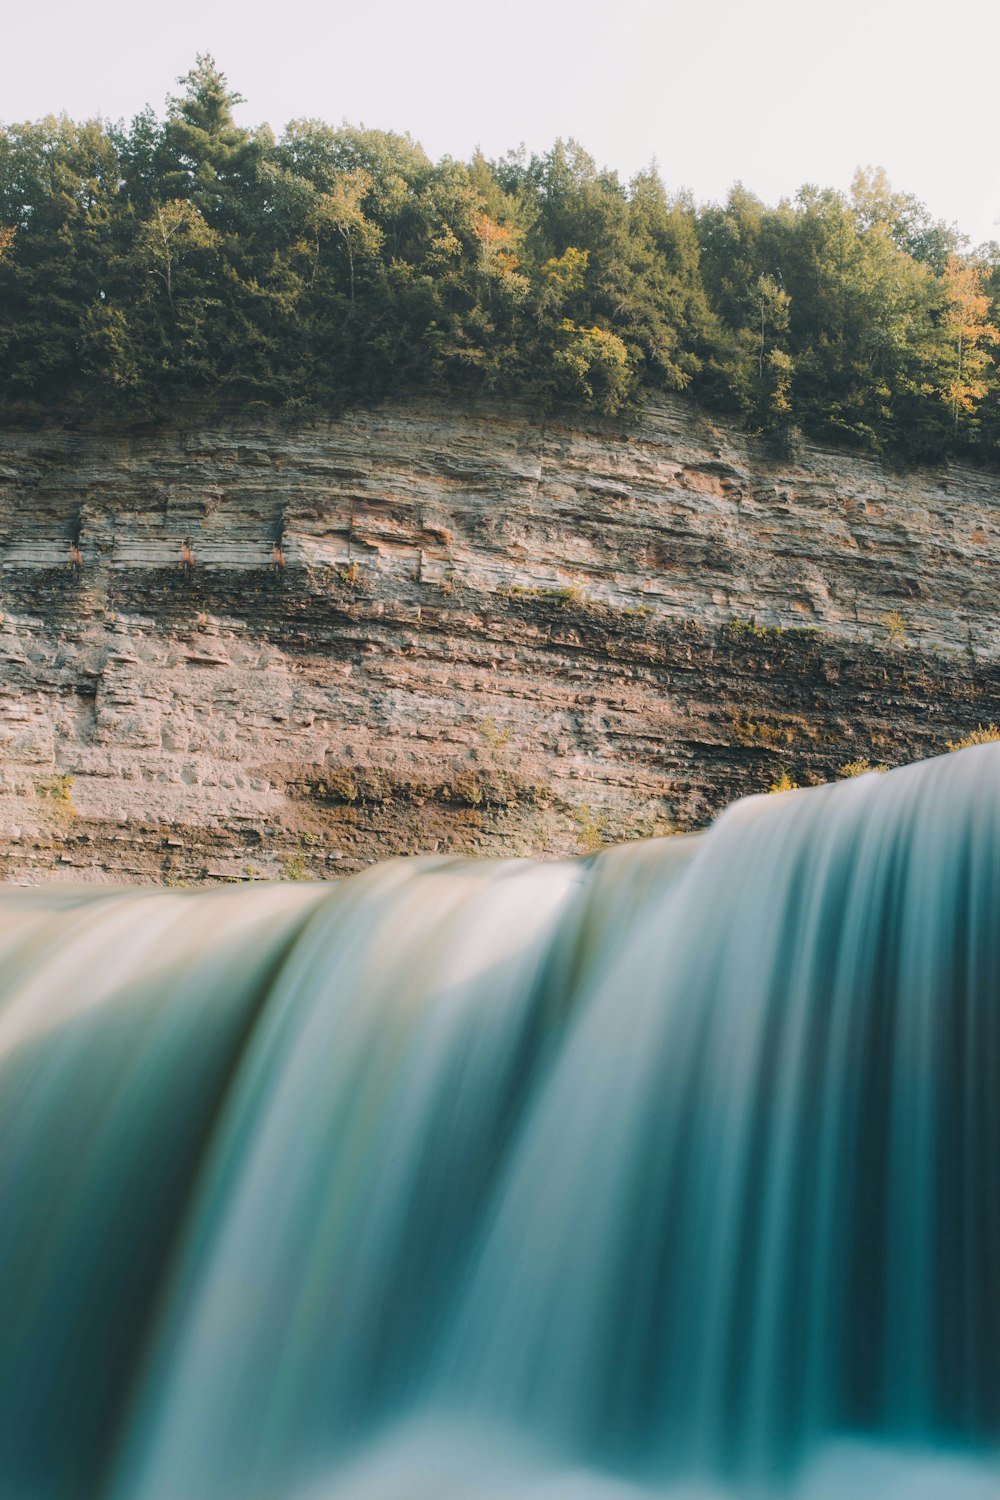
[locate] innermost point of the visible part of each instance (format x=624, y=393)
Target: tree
x=498, y=261
x=877, y=205
x=173, y=231
x=58, y=184
x=592, y=366
x=967, y=330
x=209, y=159
x=771, y=303
x=340, y=212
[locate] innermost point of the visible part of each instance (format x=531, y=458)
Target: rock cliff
x=264, y=652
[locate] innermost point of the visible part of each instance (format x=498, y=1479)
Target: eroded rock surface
x=264, y=652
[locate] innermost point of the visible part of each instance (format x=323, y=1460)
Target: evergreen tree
x=164, y=263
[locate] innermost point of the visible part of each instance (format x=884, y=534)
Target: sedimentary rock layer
x=267, y=652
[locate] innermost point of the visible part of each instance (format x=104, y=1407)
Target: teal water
x=673, y=1172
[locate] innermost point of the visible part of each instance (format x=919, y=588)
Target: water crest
x=675, y=1171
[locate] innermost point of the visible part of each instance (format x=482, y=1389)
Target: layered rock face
x=265, y=653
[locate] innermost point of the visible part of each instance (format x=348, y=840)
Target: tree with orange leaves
x=498, y=258
x=968, y=332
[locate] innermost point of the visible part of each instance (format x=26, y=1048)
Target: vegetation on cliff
x=149, y=266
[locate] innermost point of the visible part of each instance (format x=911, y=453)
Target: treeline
x=172, y=263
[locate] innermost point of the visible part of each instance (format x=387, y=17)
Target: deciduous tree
x=968, y=333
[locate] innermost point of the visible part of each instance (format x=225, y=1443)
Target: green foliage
x=591, y=368
x=749, y=630
x=293, y=867
x=150, y=268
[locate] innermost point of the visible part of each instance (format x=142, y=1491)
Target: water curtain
x=673, y=1171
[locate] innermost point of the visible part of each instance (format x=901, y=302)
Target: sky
x=772, y=93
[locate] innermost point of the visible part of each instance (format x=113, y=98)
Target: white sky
x=770, y=92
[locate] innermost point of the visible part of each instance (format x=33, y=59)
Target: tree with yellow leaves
x=592, y=366
x=341, y=212
x=173, y=230
x=967, y=331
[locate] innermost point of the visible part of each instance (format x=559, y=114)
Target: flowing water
x=672, y=1172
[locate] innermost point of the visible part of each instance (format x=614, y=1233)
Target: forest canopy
x=186, y=260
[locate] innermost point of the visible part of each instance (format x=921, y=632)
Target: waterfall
x=674, y=1171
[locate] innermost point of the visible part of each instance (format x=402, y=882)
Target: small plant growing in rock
x=978, y=736
x=744, y=630
x=859, y=767
x=336, y=786
x=591, y=828
x=895, y=627
x=756, y=732
x=59, y=789
x=350, y=576
x=293, y=867
x=495, y=737
x=465, y=788
x=783, y=783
